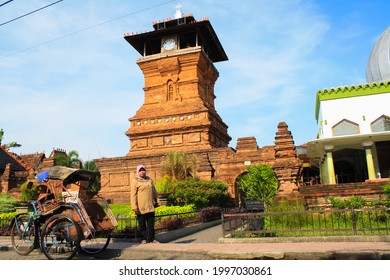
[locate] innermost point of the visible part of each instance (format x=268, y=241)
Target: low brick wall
x=315, y=196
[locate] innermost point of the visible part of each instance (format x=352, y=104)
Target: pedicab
x=65, y=218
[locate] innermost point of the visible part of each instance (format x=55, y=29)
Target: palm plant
x=179, y=165
x=69, y=160
x=90, y=166
x=9, y=145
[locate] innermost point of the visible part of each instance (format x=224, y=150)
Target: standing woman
x=143, y=199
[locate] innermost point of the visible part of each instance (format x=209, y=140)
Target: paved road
x=210, y=235
x=207, y=245
x=126, y=250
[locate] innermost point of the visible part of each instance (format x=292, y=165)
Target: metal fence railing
x=366, y=221
x=128, y=226
x=333, y=222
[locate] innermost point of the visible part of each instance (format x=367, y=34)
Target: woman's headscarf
x=139, y=167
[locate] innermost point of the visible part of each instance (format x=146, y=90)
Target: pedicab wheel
x=23, y=234
x=60, y=237
x=95, y=243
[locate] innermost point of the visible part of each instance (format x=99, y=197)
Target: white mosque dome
x=378, y=66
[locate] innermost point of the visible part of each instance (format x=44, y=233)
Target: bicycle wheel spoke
x=96, y=242
x=23, y=234
x=60, y=237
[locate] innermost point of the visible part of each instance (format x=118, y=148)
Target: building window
x=345, y=127
x=381, y=124
x=170, y=92
x=161, y=25
x=181, y=21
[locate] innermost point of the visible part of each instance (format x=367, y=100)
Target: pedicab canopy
x=67, y=175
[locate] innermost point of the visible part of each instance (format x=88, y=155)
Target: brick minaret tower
x=178, y=113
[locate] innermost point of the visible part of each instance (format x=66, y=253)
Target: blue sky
x=69, y=80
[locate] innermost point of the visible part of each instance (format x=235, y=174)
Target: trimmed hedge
x=7, y=203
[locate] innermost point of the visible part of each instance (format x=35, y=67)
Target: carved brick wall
x=225, y=164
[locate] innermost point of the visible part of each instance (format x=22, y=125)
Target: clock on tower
x=169, y=43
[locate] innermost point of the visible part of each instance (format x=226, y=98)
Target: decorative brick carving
x=177, y=90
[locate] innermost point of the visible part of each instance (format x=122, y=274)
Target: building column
x=369, y=159
x=329, y=164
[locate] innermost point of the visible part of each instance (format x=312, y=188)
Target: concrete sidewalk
x=209, y=244
x=206, y=243
x=275, y=251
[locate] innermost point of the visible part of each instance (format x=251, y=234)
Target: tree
x=9, y=145
x=69, y=160
x=179, y=165
x=95, y=186
x=259, y=183
x=90, y=166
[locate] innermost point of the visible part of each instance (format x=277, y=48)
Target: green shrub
x=30, y=190
x=5, y=219
x=201, y=193
x=351, y=202
x=5, y=230
x=187, y=212
x=125, y=210
x=171, y=223
x=259, y=183
x=170, y=210
x=7, y=203
x=165, y=184
x=8, y=216
x=209, y=214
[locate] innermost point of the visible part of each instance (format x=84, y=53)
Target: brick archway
x=239, y=197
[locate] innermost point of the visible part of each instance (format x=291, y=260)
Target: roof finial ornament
x=178, y=12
